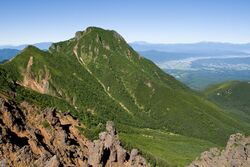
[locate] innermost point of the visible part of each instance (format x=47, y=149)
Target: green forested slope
x=234, y=96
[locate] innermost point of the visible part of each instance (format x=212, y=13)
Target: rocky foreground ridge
x=236, y=154
x=31, y=137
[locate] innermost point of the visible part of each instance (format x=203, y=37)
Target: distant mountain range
x=199, y=47
x=199, y=65
x=9, y=51
x=178, y=47
x=41, y=45
x=6, y=54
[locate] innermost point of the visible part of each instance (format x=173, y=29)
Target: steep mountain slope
x=161, y=148
x=98, y=77
x=233, y=96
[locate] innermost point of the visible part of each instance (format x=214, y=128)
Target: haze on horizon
x=162, y=21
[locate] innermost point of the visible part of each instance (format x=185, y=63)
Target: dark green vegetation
x=6, y=54
x=98, y=77
x=234, y=96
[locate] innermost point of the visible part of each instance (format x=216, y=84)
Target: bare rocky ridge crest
x=30, y=137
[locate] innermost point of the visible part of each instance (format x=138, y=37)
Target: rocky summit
x=30, y=137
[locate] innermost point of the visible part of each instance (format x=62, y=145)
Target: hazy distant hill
x=202, y=64
x=9, y=51
x=6, y=54
x=192, y=47
x=42, y=46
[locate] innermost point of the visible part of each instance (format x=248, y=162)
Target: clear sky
x=155, y=21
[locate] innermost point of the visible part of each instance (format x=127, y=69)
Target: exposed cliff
x=31, y=137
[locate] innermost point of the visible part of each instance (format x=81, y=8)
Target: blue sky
x=155, y=21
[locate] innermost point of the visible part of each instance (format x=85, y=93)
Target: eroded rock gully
x=29, y=137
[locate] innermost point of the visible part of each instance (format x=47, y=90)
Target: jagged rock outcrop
x=31, y=137
x=236, y=154
x=107, y=151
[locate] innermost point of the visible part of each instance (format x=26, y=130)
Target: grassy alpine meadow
x=165, y=148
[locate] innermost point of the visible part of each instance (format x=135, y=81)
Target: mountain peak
x=31, y=47
x=99, y=31
x=91, y=28
x=79, y=34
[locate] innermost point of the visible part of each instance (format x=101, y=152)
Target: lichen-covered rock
x=29, y=137
x=236, y=154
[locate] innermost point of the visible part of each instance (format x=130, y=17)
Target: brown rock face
x=107, y=151
x=41, y=86
x=30, y=137
x=236, y=154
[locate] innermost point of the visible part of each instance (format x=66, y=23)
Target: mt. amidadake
x=96, y=77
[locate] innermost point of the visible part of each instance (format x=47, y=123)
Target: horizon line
x=137, y=42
